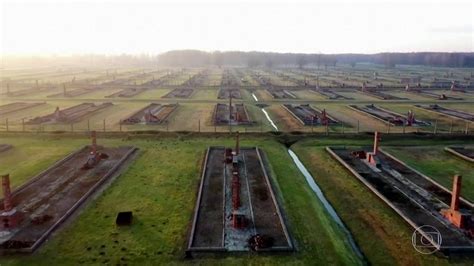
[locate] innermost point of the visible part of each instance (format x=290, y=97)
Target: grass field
x=162, y=199
x=438, y=164
x=199, y=105
x=382, y=235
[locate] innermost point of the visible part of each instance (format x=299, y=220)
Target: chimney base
x=10, y=219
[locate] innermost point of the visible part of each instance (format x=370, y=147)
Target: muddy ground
x=224, y=94
x=71, y=93
x=281, y=94
x=468, y=152
x=50, y=196
x=386, y=116
x=179, y=93
x=160, y=113
x=70, y=115
x=433, y=95
x=307, y=115
x=127, y=93
x=382, y=95
x=329, y=94
x=17, y=106
x=5, y=147
x=213, y=228
x=416, y=198
x=238, y=116
x=448, y=112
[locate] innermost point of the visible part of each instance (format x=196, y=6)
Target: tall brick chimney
x=376, y=142
x=237, y=143
x=94, y=141
x=7, y=194
x=456, y=192
x=458, y=219
x=230, y=107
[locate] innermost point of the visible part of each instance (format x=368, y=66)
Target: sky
x=151, y=27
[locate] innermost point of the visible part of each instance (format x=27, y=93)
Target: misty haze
x=237, y=132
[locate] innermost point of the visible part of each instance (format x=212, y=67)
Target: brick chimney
x=7, y=195
x=94, y=142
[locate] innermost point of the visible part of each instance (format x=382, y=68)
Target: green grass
x=382, y=235
x=160, y=188
x=25, y=160
x=438, y=164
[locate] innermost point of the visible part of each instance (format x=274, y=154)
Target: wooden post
x=435, y=130
x=104, y=125
x=6, y=123
x=388, y=128
x=199, y=125
x=327, y=128
x=358, y=127
x=23, y=124
x=88, y=125
x=404, y=128
x=467, y=128
x=451, y=127
x=312, y=125
x=120, y=125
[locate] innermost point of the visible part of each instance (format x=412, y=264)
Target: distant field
x=199, y=106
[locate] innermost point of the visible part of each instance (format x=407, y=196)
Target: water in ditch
x=326, y=204
x=254, y=97
x=270, y=120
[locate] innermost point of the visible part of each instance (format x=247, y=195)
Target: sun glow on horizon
x=109, y=28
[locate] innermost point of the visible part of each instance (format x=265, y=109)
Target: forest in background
x=196, y=58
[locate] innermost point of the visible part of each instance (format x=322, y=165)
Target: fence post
x=388, y=128
x=451, y=127
x=435, y=130
x=23, y=124
x=199, y=125
x=120, y=125
x=327, y=128
x=88, y=125
x=358, y=127
x=404, y=127
x=312, y=125
x=6, y=123
x=104, y=125
x=467, y=127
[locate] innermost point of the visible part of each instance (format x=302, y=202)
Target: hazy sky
x=318, y=26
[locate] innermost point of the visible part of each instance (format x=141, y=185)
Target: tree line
x=196, y=58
